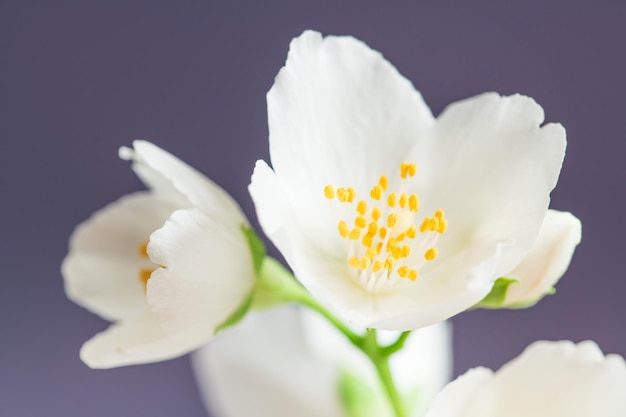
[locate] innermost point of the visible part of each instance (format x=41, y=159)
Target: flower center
x=144, y=273
x=383, y=231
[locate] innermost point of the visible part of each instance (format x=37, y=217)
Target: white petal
x=491, y=169
x=165, y=174
x=548, y=258
x=132, y=342
x=338, y=114
x=454, y=398
x=263, y=368
x=101, y=271
x=550, y=379
x=206, y=273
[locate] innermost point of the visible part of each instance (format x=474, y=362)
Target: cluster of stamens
x=384, y=226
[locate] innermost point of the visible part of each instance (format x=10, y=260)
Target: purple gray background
x=79, y=79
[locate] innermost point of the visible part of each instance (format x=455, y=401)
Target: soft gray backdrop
x=79, y=79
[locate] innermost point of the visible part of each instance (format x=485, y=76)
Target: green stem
x=380, y=359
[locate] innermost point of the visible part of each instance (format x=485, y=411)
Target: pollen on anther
x=354, y=234
x=414, y=203
x=372, y=228
x=342, y=194
x=378, y=265
x=364, y=263
x=413, y=274
x=392, y=218
x=389, y=263
x=383, y=182
x=351, y=194
x=354, y=262
x=361, y=208
x=382, y=232
x=376, y=213
x=329, y=192
x=402, y=200
x=143, y=250
x=360, y=222
x=367, y=241
x=431, y=254
x=411, y=232
x=376, y=192
x=391, y=200
x=403, y=271
x=343, y=229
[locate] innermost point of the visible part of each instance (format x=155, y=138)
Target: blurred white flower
x=550, y=379
x=166, y=265
x=287, y=362
x=393, y=218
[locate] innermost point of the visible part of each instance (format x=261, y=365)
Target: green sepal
x=276, y=285
x=530, y=303
x=257, y=250
x=257, y=247
x=497, y=296
x=359, y=399
x=238, y=314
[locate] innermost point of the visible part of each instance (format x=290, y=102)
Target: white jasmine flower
x=550, y=379
x=166, y=266
x=393, y=218
x=284, y=362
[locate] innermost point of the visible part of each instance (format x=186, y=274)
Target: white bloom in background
x=550, y=379
x=393, y=218
x=166, y=265
x=286, y=362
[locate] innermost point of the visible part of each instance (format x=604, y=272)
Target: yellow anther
x=389, y=263
x=403, y=199
x=361, y=208
x=403, y=271
x=360, y=222
x=396, y=253
x=382, y=232
x=391, y=200
x=144, y=276
x=379, y=247
x=400, y=237
x=392, y=219
x=354, y=234
x=367, y=241
x=372, y=228
x=439, y=214
x=371, y=253
x=411, y=170
x=434, y=224
x=413, y=274
x=383, y=182
x=391, y=245
x=351, y=194
x=378, y=265
x=354, y=262
x=342, y=194
x=411, y=232
x=143, y=250
x=406, y=251
x=443, y=226
x=424, y=225
x=364, y=263
x=343, y=229
x=403, y=170
x=414, y=204
x=376, y=213
x=329, y=192
x=431, y=254
x=376, y=192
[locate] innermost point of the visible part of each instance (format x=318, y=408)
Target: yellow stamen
x=413, y=274
x=354, y=234
x=360, y=222
x=406, y=251
x=143, y=250
x=144, y=276
x=354, y=262
x=343, y=229
x=403, y=271
x=378, y=265
x=376, y=213
x=367, y=241
x=414, y=203
x=389, y=263
x=392, y=218
x=361, y=208
x=402, y=200
x=342, y=194
x=364, y=263
x=351, y=194
x=383, y=182
x=431, y=254
x=329, y=192
x=411, y=232
x=372, y=228
x=382, y=232
x=376, y=192
x=391, y=200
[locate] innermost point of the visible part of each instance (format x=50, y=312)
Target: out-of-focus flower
x=392, y=218
x=166, y=265
x=301, y=366
x=550, y=379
